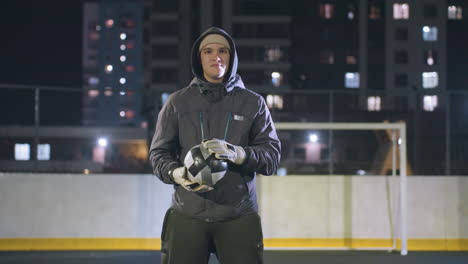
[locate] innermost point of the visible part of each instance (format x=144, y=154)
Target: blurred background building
x=112, y=63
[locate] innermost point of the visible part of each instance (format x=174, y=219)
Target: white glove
x=179, y=175
x=225, y=151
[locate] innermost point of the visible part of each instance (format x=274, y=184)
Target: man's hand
x=225, y=151
x=180, y=177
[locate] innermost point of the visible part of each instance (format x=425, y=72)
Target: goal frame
x=401, y=128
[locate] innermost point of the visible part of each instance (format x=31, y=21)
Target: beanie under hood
x=231, y=76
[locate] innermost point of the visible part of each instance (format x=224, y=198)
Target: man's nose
x=216, y=57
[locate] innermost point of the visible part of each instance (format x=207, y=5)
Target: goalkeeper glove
x=225, y=151
x=180, y=177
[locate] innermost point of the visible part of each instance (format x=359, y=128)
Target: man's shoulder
x=181, y=94
x=248, y=94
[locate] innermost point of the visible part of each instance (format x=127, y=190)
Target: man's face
x=215, y=62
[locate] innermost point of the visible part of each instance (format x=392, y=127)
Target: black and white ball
x=203, y=167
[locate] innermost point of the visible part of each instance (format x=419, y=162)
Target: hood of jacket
x=215, y=91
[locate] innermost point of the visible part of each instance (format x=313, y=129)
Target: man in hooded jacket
x=235, y=124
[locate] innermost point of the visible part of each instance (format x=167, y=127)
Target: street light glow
x=102, y=142
x=313, y=138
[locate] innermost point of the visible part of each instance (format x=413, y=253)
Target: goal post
x=400, y=128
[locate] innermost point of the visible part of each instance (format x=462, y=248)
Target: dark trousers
x=186, y=240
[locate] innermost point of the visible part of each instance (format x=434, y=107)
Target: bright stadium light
x=313, y=138
x=102, y=142
x=123, y=36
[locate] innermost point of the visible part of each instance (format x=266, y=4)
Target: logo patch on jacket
x=238, y=117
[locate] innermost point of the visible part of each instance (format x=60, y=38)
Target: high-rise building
x=113, y=63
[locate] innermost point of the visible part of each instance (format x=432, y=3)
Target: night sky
x=41, y=45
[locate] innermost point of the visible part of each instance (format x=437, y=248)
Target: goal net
x=356, y=170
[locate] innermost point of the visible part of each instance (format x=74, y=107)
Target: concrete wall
x=361, y=207
x=120, y=206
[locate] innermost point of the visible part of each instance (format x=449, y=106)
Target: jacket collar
x=214, y=92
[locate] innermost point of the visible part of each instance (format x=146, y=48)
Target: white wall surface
x=118, y=206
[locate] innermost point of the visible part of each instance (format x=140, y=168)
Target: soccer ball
x=203, y=167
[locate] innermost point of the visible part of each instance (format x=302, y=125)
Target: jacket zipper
x=228, y=123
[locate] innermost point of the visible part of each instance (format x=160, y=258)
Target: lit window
x=429, y=33
x=350, y=12
x=327, y=57
x=93, y=80
x=274, y=101
x=326, y=11
x=273, y=54
x=430, y=79
x=276, y=78
x=123, y=58
x=352, y=80
x=93, y=36
x=109, y=23
x=130, y=68
x=93, y=93
x=123, y=36
x=455, y=13
x=130, y=114
x=164, y=97
x=374, y=13
x=123, y=47
x=401, y=11
x=430, y=57
x=430, y=102
x=22, y=151
x=373, y=103
x=123, y=80
x=43, y=152
x=108, y=91
x=108, y=68
x=351, y=58
x=130, y=23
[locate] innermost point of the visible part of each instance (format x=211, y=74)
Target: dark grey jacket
x=226, y=110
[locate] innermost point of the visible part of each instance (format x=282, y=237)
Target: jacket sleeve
x=264, y=150
x=164, y=148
